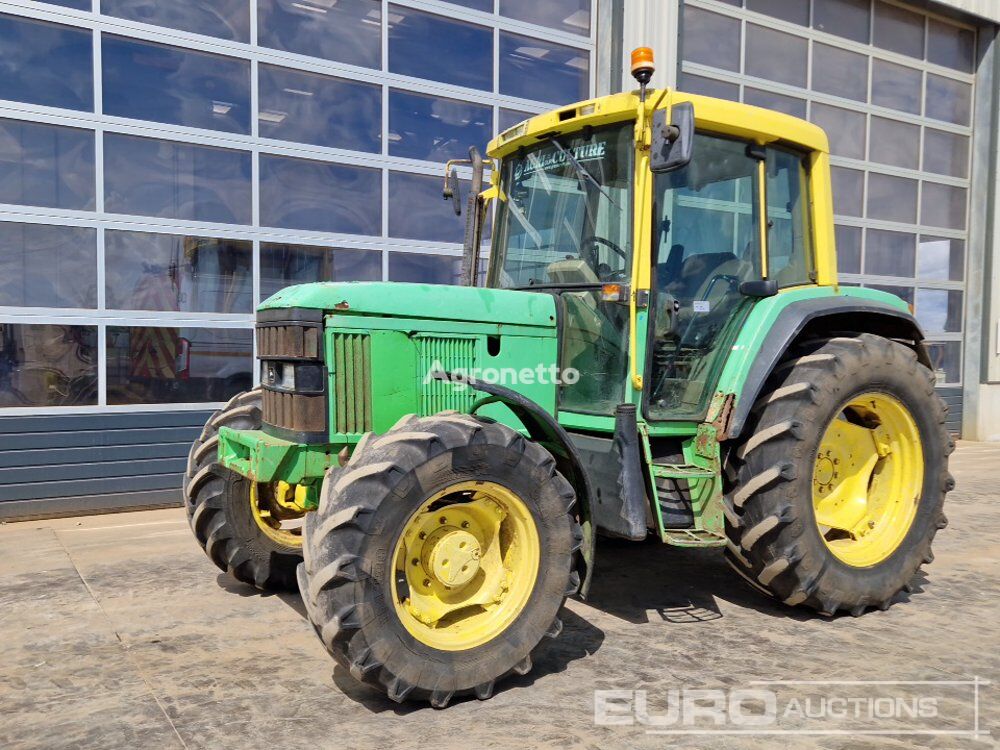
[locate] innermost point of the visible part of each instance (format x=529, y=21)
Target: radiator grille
x=293, y=411
x=288, y=342
x=448, y=354
x=352, y=382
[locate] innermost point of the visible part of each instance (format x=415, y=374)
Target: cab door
x=707, y=241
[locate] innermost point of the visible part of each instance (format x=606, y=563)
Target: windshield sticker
x=702, y=305
x=550, y=160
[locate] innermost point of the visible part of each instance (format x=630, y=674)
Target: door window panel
x=169, y=365
x=226, y=19
x=46, y=63
x=348, y=31
x=789, y=234
x=46, y=165
x=177, y=273
x=47, y=266
x=708, y=243
x=283, y=264
x=47, y=365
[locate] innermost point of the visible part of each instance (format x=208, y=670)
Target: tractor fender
x=844, y=313
x=543, y=428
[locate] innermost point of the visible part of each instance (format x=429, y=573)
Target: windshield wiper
x=582, y=171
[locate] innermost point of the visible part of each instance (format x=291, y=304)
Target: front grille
x=288, y=342
x=448, y=354
x=352, y=393
x=286, y=345
x=294, y=411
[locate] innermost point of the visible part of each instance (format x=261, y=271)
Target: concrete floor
x=117, y=632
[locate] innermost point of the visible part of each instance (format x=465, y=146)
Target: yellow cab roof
x=714, y=115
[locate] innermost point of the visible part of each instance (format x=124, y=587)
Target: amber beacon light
x=642, y=68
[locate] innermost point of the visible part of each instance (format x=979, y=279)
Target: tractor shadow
x=649, y=582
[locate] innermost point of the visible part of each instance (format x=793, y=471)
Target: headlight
x=292, y=376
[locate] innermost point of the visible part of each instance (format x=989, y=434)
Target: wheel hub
x=867, y=479
x=452, y=556
x=465, y=565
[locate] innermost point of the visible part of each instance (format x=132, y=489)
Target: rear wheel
x=839, y=488
x=439, y=557
x=247, y=529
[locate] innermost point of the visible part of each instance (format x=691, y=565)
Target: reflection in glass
x=951, y=46
x=949, y=100
x=889, y=253
x=942, y=205
x=790, y=105
x=78, y=4
x=178, y=86
x=940, y=258
x=42, y=265
x=839, y=72
x=899, y=30
x=848, y=190
x=319, y=196
x=425, y=269
x=322, y=110
x=484, y=5
x=566, y=15
x=711, y=39
x=46, y=63
x=508, y=118
x=440, y=49
x=167, y=365
x=283, y=265
x=789, y=233
x=693, y=84
x=546, y=72
x=48, y=365
x=176, y=180
x=905, y=293
x=946, y=360
x=848, y=248
x=434, y=128
x=939, y=310
x=348, y=31
x=177, y=273
x=894, y=142
x=946, y=153
x=793, y=11
x=226, y=19
x=46, y=165
x=895, y=86
x=850, y=19
x=417, y=212
x=844, y=128
x=776, y=56
x=892, y=198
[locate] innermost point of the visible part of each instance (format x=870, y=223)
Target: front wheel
x=243, y=526
x=439, y=557
x=840, y=485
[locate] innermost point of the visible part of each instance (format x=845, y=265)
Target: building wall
x=167, y=164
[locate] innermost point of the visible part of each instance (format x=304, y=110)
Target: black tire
x=773, y=539
x=349, y=542
x=218, y=506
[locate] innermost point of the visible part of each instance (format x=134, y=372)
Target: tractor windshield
x=564, y=219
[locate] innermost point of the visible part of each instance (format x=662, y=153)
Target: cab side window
x=789, y=234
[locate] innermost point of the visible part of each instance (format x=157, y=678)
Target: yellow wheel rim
x=465, y=565
x=867, y=479
x=279, y=523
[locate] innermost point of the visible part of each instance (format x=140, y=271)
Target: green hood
x=429, y=301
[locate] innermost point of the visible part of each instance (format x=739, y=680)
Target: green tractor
x=661, y=348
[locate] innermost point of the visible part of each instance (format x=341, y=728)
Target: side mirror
x=672, y=142
x=759, y=288
x=453, y=189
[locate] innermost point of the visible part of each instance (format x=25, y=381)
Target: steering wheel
x=588, y=249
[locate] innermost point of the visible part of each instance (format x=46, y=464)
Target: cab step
x=682, y=471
